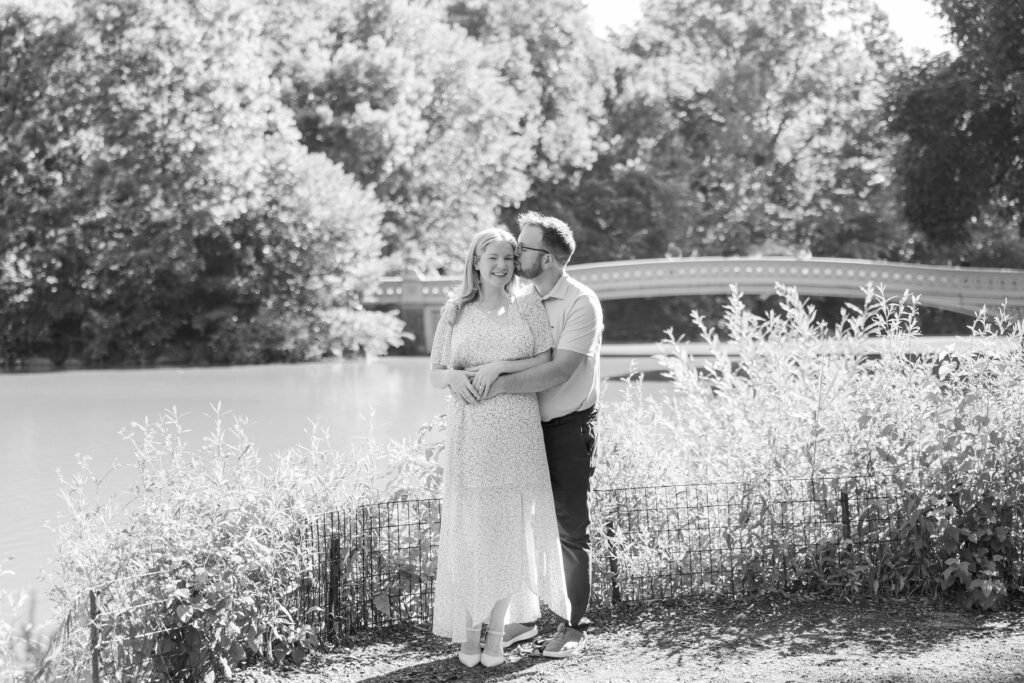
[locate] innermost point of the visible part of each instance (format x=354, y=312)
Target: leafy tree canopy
x=418, y=111
x=227, y=180
x=562, y=69
x=961, y=165
x=156, y=194
x=738, y=123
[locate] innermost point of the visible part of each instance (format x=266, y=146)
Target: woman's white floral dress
x=499, y=534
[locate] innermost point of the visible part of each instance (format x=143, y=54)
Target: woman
x=499, y=552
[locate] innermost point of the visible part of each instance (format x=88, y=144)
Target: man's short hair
x=556, y=235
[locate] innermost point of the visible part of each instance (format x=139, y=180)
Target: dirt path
x=762, y=641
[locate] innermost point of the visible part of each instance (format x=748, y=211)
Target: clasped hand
x=461, y=384
x=473, y=385
x=484, y=376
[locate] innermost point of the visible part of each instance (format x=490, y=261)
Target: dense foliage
x=941, y=433
x=157, y=202
x=961, y=167
x=189, y=181
x=202, y=568
x=736, y=124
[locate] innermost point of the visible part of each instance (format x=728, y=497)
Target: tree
x=962, y=118
x=40, y=269
x=731, y=124
x=158, y=198
x=552, y=57
x=418, y=110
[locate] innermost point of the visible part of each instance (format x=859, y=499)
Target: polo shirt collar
x=559, y=291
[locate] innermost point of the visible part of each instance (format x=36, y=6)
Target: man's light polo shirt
x=577, y=322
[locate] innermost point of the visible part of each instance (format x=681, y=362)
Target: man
x=567, y=387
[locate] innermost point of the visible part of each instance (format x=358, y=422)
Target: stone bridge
x=951, y=288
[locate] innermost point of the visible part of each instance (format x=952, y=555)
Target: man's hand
x=494, y=388
x=485, y=376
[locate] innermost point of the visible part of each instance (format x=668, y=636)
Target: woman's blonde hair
x=469, y=290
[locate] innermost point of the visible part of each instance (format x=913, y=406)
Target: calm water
x=48, y=418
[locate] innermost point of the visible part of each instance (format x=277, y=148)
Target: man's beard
x=528, y=274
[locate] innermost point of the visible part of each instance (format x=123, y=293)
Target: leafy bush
x=198, y=567
x=797, y=400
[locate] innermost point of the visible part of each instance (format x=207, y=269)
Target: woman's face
x=496, y=265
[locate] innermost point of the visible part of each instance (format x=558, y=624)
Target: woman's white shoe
x=489, y=660
x=472, y=638
x=470, y=660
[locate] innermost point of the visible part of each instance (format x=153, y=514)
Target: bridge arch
x=951, y=288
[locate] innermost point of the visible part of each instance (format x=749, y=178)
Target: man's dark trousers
x=571, y=444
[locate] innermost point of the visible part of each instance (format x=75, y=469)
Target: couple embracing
x=522, y=368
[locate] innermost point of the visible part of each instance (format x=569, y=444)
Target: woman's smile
x=497, y=264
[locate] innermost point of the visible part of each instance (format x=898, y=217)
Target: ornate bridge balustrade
x=951, y=288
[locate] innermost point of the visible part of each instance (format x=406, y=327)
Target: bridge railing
x=955, y=288
x=962, y=290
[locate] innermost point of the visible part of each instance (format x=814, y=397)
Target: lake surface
x=46, y=419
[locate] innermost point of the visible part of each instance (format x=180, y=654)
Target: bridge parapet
x=952, y=288
x=964, y=290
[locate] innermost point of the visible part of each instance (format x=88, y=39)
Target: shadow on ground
x=795, y=626
x=712, y=638
x=448, y=668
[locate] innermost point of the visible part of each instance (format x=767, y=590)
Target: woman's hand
x=461, y=384
x=485, y=376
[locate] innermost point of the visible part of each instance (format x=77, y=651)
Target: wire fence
x=683, y=541
x=374, y=565
x=119, y=631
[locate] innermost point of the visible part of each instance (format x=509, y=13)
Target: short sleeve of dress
x=441, y=347
x=537, y=318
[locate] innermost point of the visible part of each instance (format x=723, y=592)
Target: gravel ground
x=766, y=640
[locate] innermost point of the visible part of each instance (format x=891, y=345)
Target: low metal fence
x=681, y=541
x=376, y=564
x=373, y=565
x=119, y=631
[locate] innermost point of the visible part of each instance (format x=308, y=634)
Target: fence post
x=613, y=560
x=94, y=637
x=844, y=504
x=333, y=583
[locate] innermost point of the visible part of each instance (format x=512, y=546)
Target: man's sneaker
x=517, y=633
x=566, y=642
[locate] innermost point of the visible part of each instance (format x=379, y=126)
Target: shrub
x=201, y=569
x=790, y=398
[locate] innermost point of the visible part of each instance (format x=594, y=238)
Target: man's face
x=531, y=252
